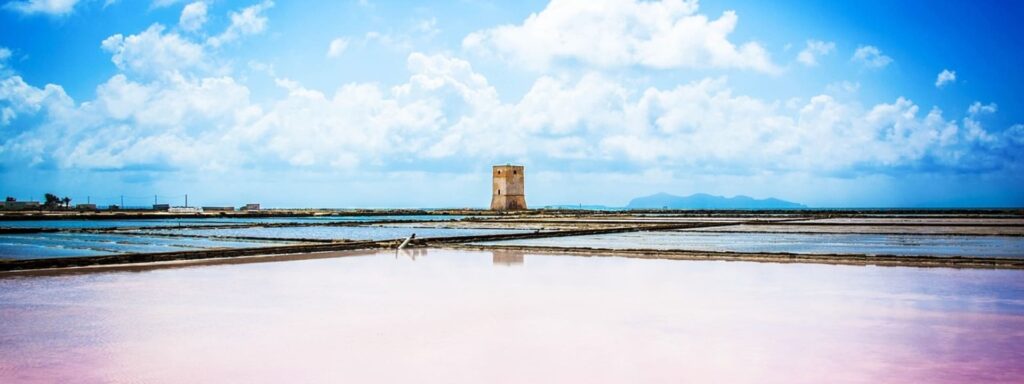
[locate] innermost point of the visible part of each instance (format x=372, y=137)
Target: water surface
x=216, y=221
x=441, y=316
x=52, y=245
x=818, y=243
x=367, y=232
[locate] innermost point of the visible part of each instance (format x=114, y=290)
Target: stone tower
x=508, y=192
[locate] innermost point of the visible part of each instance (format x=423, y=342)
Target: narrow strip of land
x=844, y=259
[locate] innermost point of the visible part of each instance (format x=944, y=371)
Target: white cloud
x=170, y=122
x=19, y=98
x=814, y=49
x=5, y=54
x=977, y=108
x=427, y=27
x=842, y=88
x=870, y=57
x=337, y=47
x=165, y=3
x=945, y=77
x=193, y=16
x=1015, y=135
x=152, y=52
x=396, y=42
x=448, y=112
x=973, y=129
x=419, y=33
x=658, y=34
x=249, y=21
x=48, y=7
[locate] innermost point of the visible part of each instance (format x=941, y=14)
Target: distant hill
x=706, y=201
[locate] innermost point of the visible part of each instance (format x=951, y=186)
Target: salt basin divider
x=461, y=242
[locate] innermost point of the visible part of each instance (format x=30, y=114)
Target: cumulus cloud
x=47, y=7
x=193, y=16
x=171, y=122
x=945, y=77
x=973, y=129
x=446, y=110
x=656, y=34
x=977, y=108
x=18, y=98
x=249, y=21
x=168, y=110
x=814, y=49
x=870, y=57
x=153, y=52
x=337, y=47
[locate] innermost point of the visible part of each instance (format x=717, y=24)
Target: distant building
x=161, y=207
x=251, y=207
x=86, y=207
x=508, y=188
x=185, y=210
x=14, y=205
x=218, y=209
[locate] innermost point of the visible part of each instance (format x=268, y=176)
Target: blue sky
x=407, y=104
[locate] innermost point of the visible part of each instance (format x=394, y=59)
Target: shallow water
x=470, y=317
x=373, y=232
x=51, y=245
x=1004, y=230
x=68, y=224
x=823, y=243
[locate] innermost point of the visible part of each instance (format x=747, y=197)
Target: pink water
x=476, y=317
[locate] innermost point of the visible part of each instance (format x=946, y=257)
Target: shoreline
x=809, y=213
x=183, y=259
x=955, y=262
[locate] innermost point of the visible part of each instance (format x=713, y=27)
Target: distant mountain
x=706, y=201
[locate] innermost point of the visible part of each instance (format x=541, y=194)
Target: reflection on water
x=411, y=253
x=507, y=257
x=455, y=316
x=819, y=243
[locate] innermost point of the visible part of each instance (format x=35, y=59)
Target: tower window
x=499, y=191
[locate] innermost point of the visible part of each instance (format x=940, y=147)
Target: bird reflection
x=411, y=253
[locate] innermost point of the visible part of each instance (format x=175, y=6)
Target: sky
x=408, y=104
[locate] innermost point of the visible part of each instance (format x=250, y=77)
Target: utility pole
x=154, y=199
x=186, y=200
x=122, y=202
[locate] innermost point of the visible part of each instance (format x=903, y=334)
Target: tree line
x=50, y=201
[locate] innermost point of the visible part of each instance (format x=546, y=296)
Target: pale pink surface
x=472, y=317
